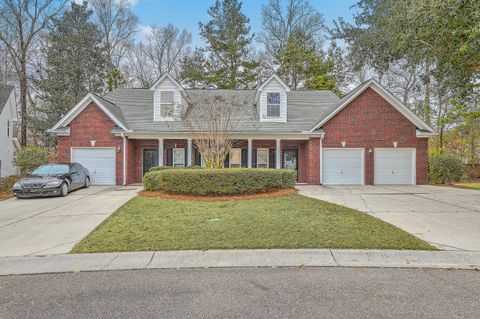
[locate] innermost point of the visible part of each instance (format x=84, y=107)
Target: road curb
x=240, y=258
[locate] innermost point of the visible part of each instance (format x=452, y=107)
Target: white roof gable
x=275, y=78
x=383, y=92
x=169, y=80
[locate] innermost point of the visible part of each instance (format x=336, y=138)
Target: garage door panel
x=394, y=166
x=100, y=162
x=342, y=166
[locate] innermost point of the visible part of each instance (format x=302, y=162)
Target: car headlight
x=54, y=183
x=17, y=185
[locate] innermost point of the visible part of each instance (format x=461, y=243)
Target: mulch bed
x=165, y=195
x=4, y=196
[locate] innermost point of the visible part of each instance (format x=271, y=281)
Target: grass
x=291, y=221
x=469, y=185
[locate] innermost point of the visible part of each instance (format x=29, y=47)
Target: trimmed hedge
x=219, y=181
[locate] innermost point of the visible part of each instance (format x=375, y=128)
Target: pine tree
x=76, y=63
x=228, y=40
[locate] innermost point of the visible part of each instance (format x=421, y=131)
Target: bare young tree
x=21, y=22
x=118, y=25
x=213, y=122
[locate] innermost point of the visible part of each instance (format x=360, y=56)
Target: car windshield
x=54, y=169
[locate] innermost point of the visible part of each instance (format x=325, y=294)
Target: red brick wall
x=370, y=121
x=91, y=124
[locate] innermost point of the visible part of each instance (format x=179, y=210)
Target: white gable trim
x=77, y=109
x=276, y=77
x=166, y=75
x=389, y=97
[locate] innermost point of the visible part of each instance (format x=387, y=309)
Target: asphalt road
x=244, y=293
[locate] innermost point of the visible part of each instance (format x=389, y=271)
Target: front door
x=290, y=159
x=150, y=159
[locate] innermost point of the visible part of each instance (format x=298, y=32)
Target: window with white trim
x=262, y=157
x=178, y=157
x=167, y=104
x=273, y=104
x=235, y=157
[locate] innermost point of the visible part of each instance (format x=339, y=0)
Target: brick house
x=367, y=137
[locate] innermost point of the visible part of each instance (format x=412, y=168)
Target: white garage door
x=342, y=166
x=394, y=166
x=99, y=161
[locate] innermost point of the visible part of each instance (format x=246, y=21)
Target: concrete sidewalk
x=240, y=258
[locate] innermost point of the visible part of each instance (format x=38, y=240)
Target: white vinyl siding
x=394, y=166
x=262, y=158
x=343, y=166
x=100, y=162
x=179, y=157
x=235, y=159
x=164, y=92
x=273, y=87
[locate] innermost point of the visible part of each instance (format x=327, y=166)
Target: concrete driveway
x=54, y=225
x=448, y=218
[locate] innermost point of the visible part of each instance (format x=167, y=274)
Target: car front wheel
x=64, y=190
x=87, y=182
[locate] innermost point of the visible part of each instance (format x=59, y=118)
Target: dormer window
x=273, y=104
x=167, y=104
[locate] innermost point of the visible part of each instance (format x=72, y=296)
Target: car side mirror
x=73, y=172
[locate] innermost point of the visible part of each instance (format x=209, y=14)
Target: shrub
x=30, y=157
x=219, y=181
x=445, y=168
x=6, y=183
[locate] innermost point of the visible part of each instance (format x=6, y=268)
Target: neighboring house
x=8, y=118
x=367, y=137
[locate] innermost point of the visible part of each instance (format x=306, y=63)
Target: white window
x=166, y=104
x=262, y=158
x=178, y=157
x=235, y=157
x=273, y=104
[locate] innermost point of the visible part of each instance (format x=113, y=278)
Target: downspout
x=321, y=159
x=124, y=182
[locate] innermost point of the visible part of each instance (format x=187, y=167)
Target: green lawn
x=469, y=185
x=291, y=221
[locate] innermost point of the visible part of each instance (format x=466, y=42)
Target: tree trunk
x=440, y=138
x=427, y=94
x=23, y=102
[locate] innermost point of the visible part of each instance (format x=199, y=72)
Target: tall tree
x=76, y=63
x=118, y=26
x=21, y=23
x=228, y=39
x=296, y=26
x=429, y=34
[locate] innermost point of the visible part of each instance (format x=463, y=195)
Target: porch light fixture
x=92, y=142
x=119, y=149
x=344, y=143
x=395, y=144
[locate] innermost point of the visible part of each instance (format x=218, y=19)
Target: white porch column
x=189, y=152
x=160, y=152
x=277, y=153
x=249, y=157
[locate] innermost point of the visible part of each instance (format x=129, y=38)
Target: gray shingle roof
x=305, y=109
x=5, y=91
x=114, y=109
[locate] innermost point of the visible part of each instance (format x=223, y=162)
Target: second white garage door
x=394, y=166
x=342, y=166
x=100, y=162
